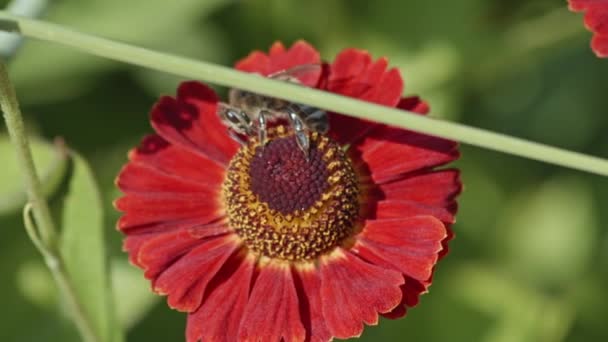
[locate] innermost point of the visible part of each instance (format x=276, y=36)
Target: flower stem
x=232, y=78
x=41, y=229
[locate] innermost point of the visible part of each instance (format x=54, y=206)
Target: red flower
x=596, y=20
x=263, y=246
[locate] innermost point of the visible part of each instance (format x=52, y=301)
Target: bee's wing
x=305, y=74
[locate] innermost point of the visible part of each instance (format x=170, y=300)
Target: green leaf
x=132, y=293
x=83, y=250
x=51, y=164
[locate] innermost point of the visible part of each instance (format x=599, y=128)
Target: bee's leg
x=262, y=134
x=300, y=129
x=236, y=137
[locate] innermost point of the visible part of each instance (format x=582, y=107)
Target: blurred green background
x=529, y=262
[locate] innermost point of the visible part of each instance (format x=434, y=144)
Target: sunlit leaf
x=83, y=249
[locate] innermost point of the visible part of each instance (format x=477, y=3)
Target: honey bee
x=248, y=113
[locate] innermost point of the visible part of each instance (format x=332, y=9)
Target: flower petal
x=414, y=104
x=219, y=317
x=414, y=252
x=411, y=245
x=596, y=18
x=599, y=44
x=191, y=121
x=390, y=153
x=353, y=292
x=273, y=313
x=596, y=21
x=308, y=284
x=348, y=130
x=279, y=59
x=396, y=208
x=139, y=235
x=581, y=5
x=149, y=208
x=411, y=290
x=156, y=153
x=160, y=251
x=354, y=74
x=436, y=189
x=184, y=281
x=138, y=178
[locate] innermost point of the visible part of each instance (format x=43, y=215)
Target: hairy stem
x=229, y=77
x=41, y=229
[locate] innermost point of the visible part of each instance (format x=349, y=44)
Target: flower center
x=287, y=206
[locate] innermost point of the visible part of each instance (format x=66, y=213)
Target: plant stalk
x=232, y=78
x=42, y=230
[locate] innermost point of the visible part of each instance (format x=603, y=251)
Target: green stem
x=232, y=78
x=16, y=130
x=43, y=233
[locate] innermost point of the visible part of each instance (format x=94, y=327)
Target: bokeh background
x=529, y=262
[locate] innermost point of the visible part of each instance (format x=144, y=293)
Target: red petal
x=411, y=245
x=354, y=74
x=308, y=284
x=138, y=178
x=132, y=245
x=599, y=44
x=396, y=209
x=444, y=244
x=219, y=317
x=596, y=19
x=138, y=236
x=150, y=208
x=156, y=254
x=279, y=59
x=390, y=152
x=167, y=226
x=184, y=281
x=436, y=189
x=411, y=290
x=273, y=312
x=581, y=5
x=354, y=292
x=191, y=121
x=156, y=153
x=347, y=129
x=414, y=104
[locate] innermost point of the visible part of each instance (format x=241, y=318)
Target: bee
x=248, y=113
